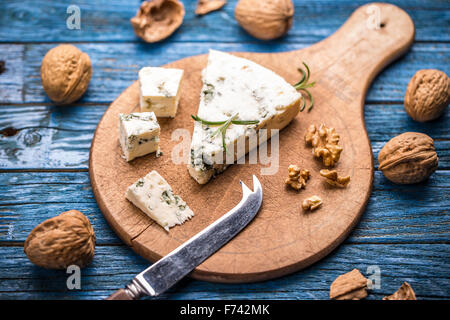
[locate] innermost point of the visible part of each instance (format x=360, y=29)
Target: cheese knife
x=170, y=269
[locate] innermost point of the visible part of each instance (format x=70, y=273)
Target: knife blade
x=170, y=269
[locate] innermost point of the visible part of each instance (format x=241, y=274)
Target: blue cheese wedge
x=153, y=195
x=160, y=90
x=138, y=134
x=237, y=86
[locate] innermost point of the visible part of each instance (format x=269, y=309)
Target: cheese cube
x=160, y=90
x=153, y=195
x=138, y=134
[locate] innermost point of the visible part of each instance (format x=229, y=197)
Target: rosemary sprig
x=303, y=85
x=223, y=125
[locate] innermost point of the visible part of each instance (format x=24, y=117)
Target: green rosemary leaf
x=245, y=122
x=303, y=105
x=223, y=142
x=223, y=125
x=209, y=123
x=311, y=99
x=302, y=79
x=302, y=85
x=307, y=72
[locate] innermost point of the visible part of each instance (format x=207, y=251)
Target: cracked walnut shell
x=334, y=179
x=65, y=73
x=56, y=243
x=408, y=158
x=206, y=6
x=404, y=293
x=325, y=144
x=157, y=19
x=349, y=286
x=267, y=19
x=427, y=95
x=297, y=178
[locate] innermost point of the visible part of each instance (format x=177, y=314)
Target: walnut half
x=334, y=179
x=297, y=178
x=349, y=286
x=404, y=293
x=325, y=144
x=157, y=19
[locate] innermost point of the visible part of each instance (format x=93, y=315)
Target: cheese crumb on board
x=153, y=195
x=138, y=134
x=160, y=90
x=233, y=85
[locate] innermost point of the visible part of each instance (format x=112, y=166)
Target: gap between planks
x=137, y=41
x=18, y=244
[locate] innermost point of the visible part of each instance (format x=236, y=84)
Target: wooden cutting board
x=282, y=238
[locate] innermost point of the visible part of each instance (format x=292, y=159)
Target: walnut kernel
x=312, y=203
x=157, y=19
x=297, y=178
x=349, y=286
x=325, y=144
x=334, y=179
x=427, y=95
x=408, y=158
x=404, y=293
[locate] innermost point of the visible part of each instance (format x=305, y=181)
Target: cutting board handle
x=373, y=36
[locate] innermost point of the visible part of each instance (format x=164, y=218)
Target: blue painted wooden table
x=44, y=155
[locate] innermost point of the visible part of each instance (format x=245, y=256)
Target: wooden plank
x=60, y=137
x=115, y=67
x=424, y=266
x=17, y=220
x=45, y=21
x=11, y=80
x=395, y=214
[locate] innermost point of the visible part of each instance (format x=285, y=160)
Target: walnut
x=157, y=19
x=61, y=241
x=65, y=73
x=265, y=20
x=311, y=203
x=333, y=178
x=427, y=95
x=349, y=286
x=408, y=158
x=404, y=293
x=206, y=6
x=297, y=178
x=325, y=144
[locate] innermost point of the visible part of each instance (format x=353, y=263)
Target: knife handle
x=120, y=294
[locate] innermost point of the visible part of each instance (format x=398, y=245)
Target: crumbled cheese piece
x=153, y=195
